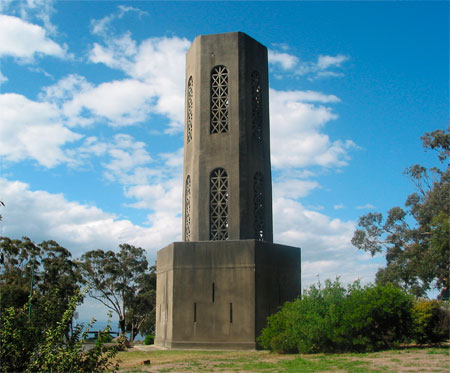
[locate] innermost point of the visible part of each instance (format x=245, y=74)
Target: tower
x=217, y=287
x=227, y=140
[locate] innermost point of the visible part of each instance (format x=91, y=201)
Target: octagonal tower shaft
x=227, y=175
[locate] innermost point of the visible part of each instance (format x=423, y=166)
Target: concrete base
x=218, y=294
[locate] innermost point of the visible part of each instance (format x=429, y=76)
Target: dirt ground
x=411, y=359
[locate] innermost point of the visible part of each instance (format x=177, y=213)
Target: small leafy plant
x=149, y=339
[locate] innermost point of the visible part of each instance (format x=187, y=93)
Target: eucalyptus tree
x=118, y=280
x=27, y=267
x=415, y=239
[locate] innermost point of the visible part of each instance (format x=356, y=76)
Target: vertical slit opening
x=213, y=291
x=195, y=312
x=231, y=313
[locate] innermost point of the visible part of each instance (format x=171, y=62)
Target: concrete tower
x=227, y=140
x=217, y=287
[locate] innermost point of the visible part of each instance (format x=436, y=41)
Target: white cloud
x=31, y=11
x=160, y=62
x=125, y=156
x=155, y=86
x=23, y=40
x=121, y=102
x=103, y=26
x=157, y=64
x=116, y=54
x=319, y=237
x=367, y=206
x=165, y=198
x=42, y=216
x=65, y=89
x=303, y=96
x=324, y=62
x=285, y=60
x=296, y=140
x=339, y=206
x=314, y=70
x=293, y=188
x=126, y=161
x=3, y=78
x=30, y=129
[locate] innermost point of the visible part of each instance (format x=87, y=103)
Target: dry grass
x=430, y=359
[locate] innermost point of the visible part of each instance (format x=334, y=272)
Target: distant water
x=100, y=325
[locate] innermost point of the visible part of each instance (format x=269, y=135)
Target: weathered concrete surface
x=218, y=294
x=237, y=151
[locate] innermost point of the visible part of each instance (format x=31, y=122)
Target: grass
x=433, y=359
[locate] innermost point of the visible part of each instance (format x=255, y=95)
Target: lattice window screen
x=258, y=199
x=218, y=211
x=256, y=105
x=190, y=104
x=187, y=209
x=219, y=100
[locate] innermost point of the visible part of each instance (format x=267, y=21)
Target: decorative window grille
x=218, y=210
x=258, y=199
x=187, y=209
x=219, y=100
x=190, y=104
x=256, y=105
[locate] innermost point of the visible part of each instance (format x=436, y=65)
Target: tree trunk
x=122, y=325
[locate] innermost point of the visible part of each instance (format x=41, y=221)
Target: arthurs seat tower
x=217, y=287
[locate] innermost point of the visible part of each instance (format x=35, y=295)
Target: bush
x=103, y=337
x=149, y=339
x=27, y=348
x=376, y=317
x=335, y=319
x=431, y=321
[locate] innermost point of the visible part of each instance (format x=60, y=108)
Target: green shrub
x=103, y=337
x=335, y=319
x=26, y=347
x=431, y=321
x=149, y=339
x=376, y=317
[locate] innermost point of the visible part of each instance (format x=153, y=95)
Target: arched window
x=219, y=100
x=256, y=105
x=218, y=205
x=258, y=201
x=189, y=107
x=187, y=209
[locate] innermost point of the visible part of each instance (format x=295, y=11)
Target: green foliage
x=103, y=337
x=27, y=348
x=417, y=255
x=47, y=266
x=376, y=317
x=125, y=284
x=17, y=339
x=431, y=321
x=336, y=319
x=149, y=339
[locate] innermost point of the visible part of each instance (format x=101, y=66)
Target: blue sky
x=92, y=103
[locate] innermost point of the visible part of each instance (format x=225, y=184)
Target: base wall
x=218, y=294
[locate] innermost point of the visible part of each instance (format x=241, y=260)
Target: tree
x=28, y=268
x=418, y=254
x=25, y=347
x=141, y=315
x=119, y=281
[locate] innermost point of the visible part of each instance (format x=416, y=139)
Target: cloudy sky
x=92, y=103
